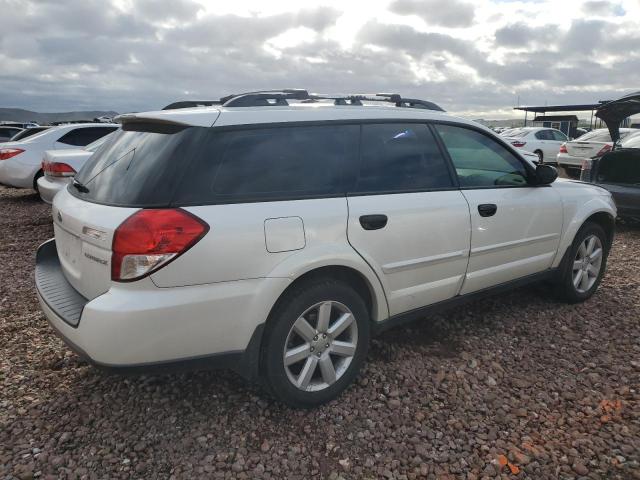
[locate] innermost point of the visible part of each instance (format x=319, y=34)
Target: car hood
x=614, y=112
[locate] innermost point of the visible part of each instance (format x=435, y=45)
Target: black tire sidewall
x=280, y=323
x=568, y=289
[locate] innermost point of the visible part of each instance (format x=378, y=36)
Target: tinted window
x=400, y=157
x=275, y=162
x=479, y=160
x=559, y=136
x=27, y=133
x=8, y=132
x=81, y=137
x=199, y=165
x=622, y=167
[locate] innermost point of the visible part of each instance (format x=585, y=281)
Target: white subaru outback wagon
x=275, y=232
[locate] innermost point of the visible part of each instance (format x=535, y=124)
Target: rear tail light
x=563, y=148
x=150, y=239
x=7, y=153
x=518, y=143
x=57, y=169
x=603, y=150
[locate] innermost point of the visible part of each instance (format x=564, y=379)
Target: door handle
x=373, y=222
x=487, y=209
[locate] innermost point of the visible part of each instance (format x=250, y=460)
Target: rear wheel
x=316, y=342
x=35, y=180
x=584, y=265
x=540, y=156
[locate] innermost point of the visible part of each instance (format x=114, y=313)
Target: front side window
x=400, y=157
x=481, y=161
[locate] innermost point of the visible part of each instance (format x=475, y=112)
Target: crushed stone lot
x=517, y=386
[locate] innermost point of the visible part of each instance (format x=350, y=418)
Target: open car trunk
x=614, y=112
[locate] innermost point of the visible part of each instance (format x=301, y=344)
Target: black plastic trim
x=422, y=312
x=54, y=289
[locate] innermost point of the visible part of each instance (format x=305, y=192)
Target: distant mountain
x=20, y=115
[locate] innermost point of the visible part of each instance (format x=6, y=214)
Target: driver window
x=479, y=160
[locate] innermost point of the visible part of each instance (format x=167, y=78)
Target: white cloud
x=474, y=58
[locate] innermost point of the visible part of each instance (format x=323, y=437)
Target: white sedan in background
x=60, y=166
x=20, y=162
x=592, y=144
x=544, y=142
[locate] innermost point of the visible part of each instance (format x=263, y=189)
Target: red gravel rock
x=520, y=376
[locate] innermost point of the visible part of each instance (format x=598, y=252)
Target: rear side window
x=280, y=162
x=559, y=136
x=81, y=137
x=481, y=161
x=400, y=157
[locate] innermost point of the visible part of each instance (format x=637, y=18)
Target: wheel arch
x=607, y=222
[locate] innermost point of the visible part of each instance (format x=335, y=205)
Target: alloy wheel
x=320, y=346
x=587, y=263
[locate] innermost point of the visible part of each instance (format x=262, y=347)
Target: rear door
x=515, y=228
x=407, y=218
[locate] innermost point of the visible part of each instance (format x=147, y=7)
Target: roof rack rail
x=265, y=98
x=191, y=104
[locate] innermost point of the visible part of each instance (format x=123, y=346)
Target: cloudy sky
x=474, y=57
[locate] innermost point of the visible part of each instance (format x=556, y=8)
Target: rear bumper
x=48, y=187
x=16, y=173
x=566, y=160
x=141, y=328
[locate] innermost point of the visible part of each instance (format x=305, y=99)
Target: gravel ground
x=519, y=386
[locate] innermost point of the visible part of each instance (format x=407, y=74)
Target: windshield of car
x=600, y=135
x=632, y=141
x=29, y=132
x=517, y=132
x=93, y=146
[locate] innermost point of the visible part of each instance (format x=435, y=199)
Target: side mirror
x=545, y=174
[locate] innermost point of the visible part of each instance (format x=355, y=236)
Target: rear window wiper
x=79, y=186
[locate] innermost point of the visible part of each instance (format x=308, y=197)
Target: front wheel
x=316, y=342
x=585, y=264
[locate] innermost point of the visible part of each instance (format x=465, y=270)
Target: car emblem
x=59, y=217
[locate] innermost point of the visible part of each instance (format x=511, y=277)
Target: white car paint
x=526, y=138
x=21, y=170
x=588, y=146
x=211, y=299
x=49, y=185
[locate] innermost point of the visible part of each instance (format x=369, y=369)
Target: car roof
x=304, y=112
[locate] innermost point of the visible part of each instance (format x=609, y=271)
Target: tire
x=309, y=368
x=540, y=156
x=35, y=181
x=568, y=288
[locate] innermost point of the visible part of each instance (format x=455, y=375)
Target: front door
x=515, y=227
x=406, y=217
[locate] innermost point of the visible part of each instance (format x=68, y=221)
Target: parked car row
x=21, y=159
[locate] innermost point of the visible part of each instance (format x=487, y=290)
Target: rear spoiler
x=614, y=112
x=167, y=120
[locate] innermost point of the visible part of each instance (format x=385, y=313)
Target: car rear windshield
x=596, y=136
x=202, y=165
